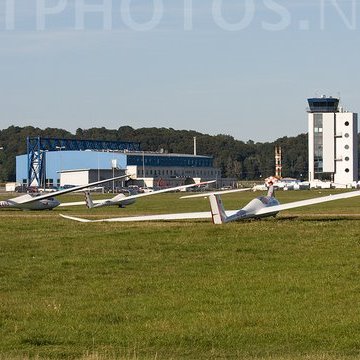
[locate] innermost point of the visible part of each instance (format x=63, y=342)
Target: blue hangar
x=59, y=162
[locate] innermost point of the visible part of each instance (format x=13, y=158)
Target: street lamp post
x=114, y=166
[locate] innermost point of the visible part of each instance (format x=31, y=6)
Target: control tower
x=333, y=141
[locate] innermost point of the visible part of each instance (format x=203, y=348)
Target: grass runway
x=283, y=288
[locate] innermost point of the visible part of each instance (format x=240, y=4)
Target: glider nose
x=55, y=203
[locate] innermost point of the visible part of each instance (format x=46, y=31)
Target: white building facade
x=333, y=142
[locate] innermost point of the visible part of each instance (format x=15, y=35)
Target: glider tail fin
x=88, y=200
x=217, y=209
x=271, y=191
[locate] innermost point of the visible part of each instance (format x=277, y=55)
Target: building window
x=347, y=170
x=318, y=143
x=347, y=147
x=347, y=158
x=347, y=123
x=318, y=123
x=346, y=135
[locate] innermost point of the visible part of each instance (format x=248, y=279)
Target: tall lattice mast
x=278, y=163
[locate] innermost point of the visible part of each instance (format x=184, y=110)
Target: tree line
x=236, y=159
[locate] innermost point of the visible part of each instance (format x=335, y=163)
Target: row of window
x=347, y=147
x=179, y=161
x=318, y=143
x=169, y=172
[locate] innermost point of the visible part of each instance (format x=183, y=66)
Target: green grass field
x=284, y=288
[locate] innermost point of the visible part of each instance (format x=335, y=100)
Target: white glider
x=46, y=201
x=262, y=206
x=122, y=200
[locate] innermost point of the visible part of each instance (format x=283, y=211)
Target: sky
x=242, y=68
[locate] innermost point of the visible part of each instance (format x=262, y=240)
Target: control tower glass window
x=318, y=143
x=323, y=104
